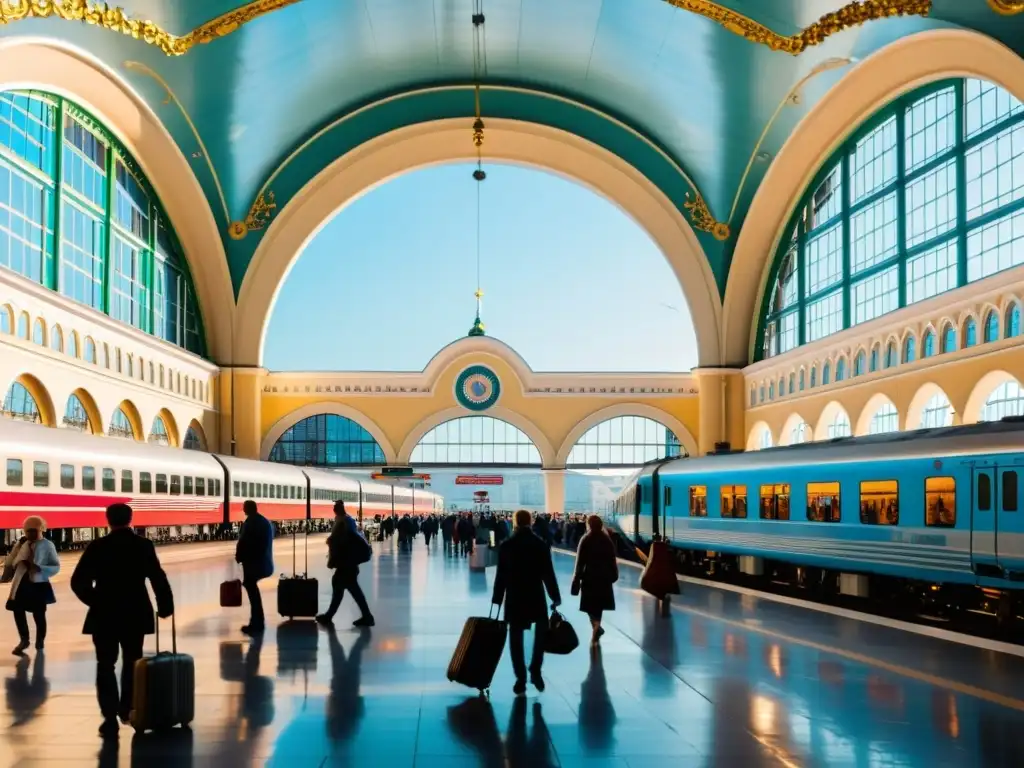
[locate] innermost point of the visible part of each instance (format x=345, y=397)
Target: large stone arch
x=39, y=393
x=131, y=411
x=915, y=411
x=863, y=424
x=442, y=141
x=827, y=417
x=170, y=424
x=686, y=439
x=899, y=67
x=532, y=431
x=285, y=423
x=53, y=66
x=754, y=435
x=791, y=423
x=92, y=411
x=982, y=392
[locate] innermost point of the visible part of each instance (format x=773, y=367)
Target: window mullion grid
x=845, y=172
x=108, y=231
x=901, y=205
x=801, y=280
x=961, y=188
x=151, y=269
x=53, y=281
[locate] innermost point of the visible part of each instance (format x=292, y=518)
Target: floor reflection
x=527, y=739
x=597, y=712
x=27, y=692
x=345, y=705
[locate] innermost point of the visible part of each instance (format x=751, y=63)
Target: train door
x=668, y=519
x=983, y=520
x=1009, y=525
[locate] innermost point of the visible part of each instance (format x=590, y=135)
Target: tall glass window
x=800, y=433
x=194, y=439
x=937, y=412
x=121, y=425
x=624, y=441
x=840, y=426
x=77, y=216
x=991, y=326
x=327, y=440
x=1006, y=400
x=926, y=196
x=75, y=415
x=20, y=405
x=886, y=419
x=158, y=435
x=476, y=440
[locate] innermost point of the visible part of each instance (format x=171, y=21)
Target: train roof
x=949, y=442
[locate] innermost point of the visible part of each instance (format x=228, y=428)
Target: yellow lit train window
x=940, y=501
x=823, y=502
x=775, y=501
x=880, y=502
x=698, y=501
x=734, y=501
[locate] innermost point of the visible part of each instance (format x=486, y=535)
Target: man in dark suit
x=111, y=579
x=525, y=570
x=255, y=551
x=346, y=550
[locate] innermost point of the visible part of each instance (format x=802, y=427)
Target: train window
x=940, y=501
x=302, y=492
x=127, y=481
x=775, y=501
x=67, y=475
x=282, y=494
x=252, y=491
x=823, y=502
x=88, y=479
x=266, y=491
x=984, y=493
x=145, y=482
x=187, y=485
x=880, y=502
x=41, y=474
x=214, y=486
x=235, y=489
x=668, y=495
x=293, y=492
x=200, y=486
x=161, y=483
x=1009, y=491
x=109, y=481
x=734, y=501
x=175, y=485
x=698, y=500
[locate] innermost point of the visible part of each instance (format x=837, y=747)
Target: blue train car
x=940, y=507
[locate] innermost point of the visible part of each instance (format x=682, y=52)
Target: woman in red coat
x=596, y=571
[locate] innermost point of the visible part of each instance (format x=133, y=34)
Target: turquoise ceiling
x=692, y=88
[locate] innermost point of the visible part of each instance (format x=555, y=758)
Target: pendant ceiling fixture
x=479, y=69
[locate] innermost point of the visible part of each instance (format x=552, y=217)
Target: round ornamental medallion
x=477, y=388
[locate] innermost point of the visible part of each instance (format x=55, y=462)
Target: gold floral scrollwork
x=260, y=214
x=116, y=20
x=1007, y=7
x=852, y=14
x=702, y=218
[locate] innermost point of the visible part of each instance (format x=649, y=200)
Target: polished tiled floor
x=725, y=680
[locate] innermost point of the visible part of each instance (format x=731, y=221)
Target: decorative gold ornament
x=852, y=14
x=1007, y=7
x=702, y=218
x=237, y=230
x=260, y=213
x=478, y=133
x=116, y=20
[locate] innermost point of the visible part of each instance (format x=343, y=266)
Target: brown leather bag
x=659, y=577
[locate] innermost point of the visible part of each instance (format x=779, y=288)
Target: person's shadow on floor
x=25, y=695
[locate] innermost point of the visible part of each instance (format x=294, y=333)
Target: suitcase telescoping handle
x=174, y=633
x=497, y=615
x=305, y=547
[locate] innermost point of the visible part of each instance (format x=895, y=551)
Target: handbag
x=574, y=590
x=561, y=638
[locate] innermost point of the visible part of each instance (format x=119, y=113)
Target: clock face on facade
x=477, y=388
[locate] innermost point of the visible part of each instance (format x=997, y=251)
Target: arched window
x=886, y=419
x=476, y=440
x=327, y=440
x=56, y=339
x=771, y=390
x=970, y=333
x=195, y=440
x=877, y=214
x=874, y=359
x=117, y=360
x=121, y=425
x=1012, y=321
x=152, y=372
x=129, y=366
x=624, y=441
x=792, y=383
x=937, y=412
x=764, y=439
x=762, y=393
x=23, y=326
x=948, y=339
x=891, y=355
x=20, y=405
x=991, y=326
x=826, y=374
x=90, y=351
x=72, y=344
x=39, y=332
x=858, y=364
x=75, y=415
x=814, y=377
x=841, y=369
x=928, y=344
x=753, y=396
x=106, y=355
x=6, y=319
x=57, y=159
x=840, y=426
x=1006, y=400
x=158, y=434
x=802, y=378
x=909, y=350
x=800, y=433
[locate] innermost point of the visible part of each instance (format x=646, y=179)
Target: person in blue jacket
x=255, y=551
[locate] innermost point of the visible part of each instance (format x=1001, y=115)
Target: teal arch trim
x=795, y=230
x=511, y=102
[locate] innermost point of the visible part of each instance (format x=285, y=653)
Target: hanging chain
x=479, y=70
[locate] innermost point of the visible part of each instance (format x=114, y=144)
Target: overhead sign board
x=380, y=476
x=479, y=480
x=396, y=471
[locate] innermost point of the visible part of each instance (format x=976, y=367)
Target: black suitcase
x=479, y=650
x=165, y=687
x=298, y=596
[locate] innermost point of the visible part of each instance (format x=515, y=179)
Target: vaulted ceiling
x=240, y=94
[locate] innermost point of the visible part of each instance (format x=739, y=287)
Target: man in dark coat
x=346, y=549
x=255, y=551
x=111, y=579
x=467, y=533
x=447, y=529
x=525, y=570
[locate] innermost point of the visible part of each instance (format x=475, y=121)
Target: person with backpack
x=346, y=551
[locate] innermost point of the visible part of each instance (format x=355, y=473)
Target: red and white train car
x=279, y=490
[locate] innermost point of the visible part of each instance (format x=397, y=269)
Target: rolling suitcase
x=231, y=594
x=479, y=650
x=165, y=687
x=298, y=596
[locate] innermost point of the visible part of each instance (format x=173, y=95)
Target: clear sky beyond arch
x=570, y=282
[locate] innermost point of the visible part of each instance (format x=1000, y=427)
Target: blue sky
x=570, y=282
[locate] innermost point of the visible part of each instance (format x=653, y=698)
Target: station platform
x=726, y=679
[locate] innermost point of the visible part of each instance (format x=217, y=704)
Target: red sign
x=397, y=478
x=479, y=480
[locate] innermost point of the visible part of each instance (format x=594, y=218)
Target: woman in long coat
x=596, y=571
x=28, y=568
